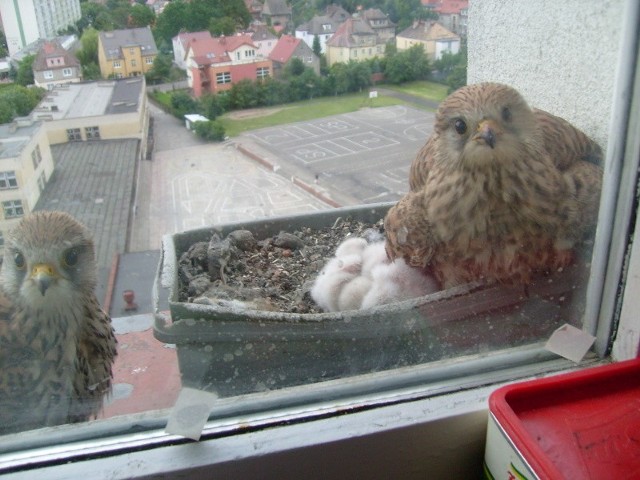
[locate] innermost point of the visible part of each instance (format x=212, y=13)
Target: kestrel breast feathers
x=499, y=192
x=57, y=346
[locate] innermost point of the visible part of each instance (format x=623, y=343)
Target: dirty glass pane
x=180, y=221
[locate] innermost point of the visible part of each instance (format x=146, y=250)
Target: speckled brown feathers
x=499, y=192
x=57, y=346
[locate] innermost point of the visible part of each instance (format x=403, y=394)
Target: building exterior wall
x=58, y=76
x=356, y=53
x=32, y=168
x=131, y=63
x=25, y=21
x=573, y=48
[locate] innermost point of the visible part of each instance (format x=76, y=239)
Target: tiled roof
x=114, y=41
x=315, y=26
x=185, y=37
x=345, y=32
x=216, y=50
x=446, y=7
x=284, y=49
x=428, y=30
x=276, y=7
x=53, y=49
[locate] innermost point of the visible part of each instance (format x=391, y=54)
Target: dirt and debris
x=273, y=274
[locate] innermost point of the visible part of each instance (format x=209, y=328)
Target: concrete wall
x=561, y=56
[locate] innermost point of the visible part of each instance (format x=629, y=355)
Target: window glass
x=248, y=256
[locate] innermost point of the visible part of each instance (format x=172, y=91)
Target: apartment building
x=26, y=165
x=126, y=53
x=29, y=20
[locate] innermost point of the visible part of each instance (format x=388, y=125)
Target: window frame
x=7, y=177
x=12, y=209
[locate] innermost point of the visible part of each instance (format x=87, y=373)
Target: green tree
x=4, y=50
x=407, y=65
x=211, y=130
x=91, y=71
x=293, y=68
x=88, y=52
x=211, y=106
x=6, y=112
x=24, y=75
x=183, y=103
x=141, y=16
x=172, y=19
x=161, y=69
x=17, y=101
x=222, y=26
x=316, y=47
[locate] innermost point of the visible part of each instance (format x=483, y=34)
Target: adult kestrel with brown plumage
x=57, y=346
x=499, y=192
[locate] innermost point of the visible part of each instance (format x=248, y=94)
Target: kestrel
x=499, y=192
x=57, y=346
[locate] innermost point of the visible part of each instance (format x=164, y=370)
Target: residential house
x=26, y=165
x=380, y=23
x=435, y=38
x=322, y=26
x=126, y=53
x=54, y=65
x=277, y=14
x=288, y=48
x=216, y=64
x=452, y=14
x=102, y=110
x=181, y=46
x=354, y=40
x=263, y=38
x=26, y=21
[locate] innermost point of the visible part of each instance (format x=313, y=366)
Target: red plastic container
x=580, y=425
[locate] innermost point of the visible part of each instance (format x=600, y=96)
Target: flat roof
x=15, y=136
x=91, y=99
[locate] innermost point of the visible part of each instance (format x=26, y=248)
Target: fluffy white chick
x=397, y=281
x=351, y=246
x=373, y=255
x=353, y=293
x=332, y=279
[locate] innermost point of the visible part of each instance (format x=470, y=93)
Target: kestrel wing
x=421, y=165
x=566, y=144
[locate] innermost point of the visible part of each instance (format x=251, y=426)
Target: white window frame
x=117, y=64
x=67, y=72
x=380, y=403
x=223, y=78
x=12, y=209
x=8, y=180
x=48, y=74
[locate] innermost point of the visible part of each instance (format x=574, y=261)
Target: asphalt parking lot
x=360, y=157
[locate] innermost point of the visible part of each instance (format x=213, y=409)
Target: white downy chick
x=353, y=293
x=351, y=246
x=332, y=278
x=374, y=254
x=397, y=281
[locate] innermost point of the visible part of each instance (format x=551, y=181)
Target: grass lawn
x=234, y=123
x=429, y=90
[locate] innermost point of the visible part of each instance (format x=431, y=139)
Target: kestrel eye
x=18, y=259
x=70, y=257
x=460, y=126
x=506, y=114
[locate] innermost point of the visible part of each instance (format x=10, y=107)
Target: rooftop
x=427, y=30
x=15, y=136
x=113, y=42
x=91, y=99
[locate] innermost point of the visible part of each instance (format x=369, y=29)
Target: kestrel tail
x=57, y=346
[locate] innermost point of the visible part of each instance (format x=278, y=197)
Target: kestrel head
x=484, y=125
x=49, y=261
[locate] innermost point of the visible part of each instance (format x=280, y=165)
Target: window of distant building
x=13, y=208
x=149, y=60
x=42, y=181
x=36, y=157
x=92, y=133
x=134, y=63
x=8, y=180
x=262, y=72
x=223, y=77
x=47, y=74
x=73, y=134
x=117, y=64
x=67, y=72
